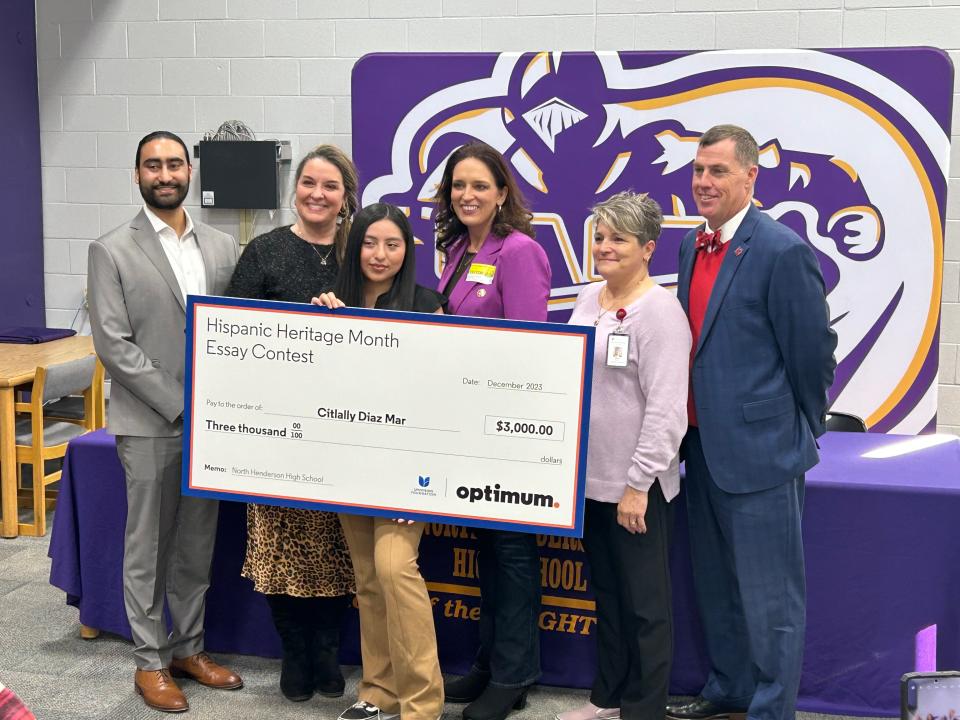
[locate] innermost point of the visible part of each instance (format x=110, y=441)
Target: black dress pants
x=509, y=607
x=631, y=581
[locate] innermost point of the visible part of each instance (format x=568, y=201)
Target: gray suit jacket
x=138, y=321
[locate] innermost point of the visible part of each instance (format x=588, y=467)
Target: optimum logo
x=498, y=495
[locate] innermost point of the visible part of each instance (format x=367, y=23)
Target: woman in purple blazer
x=495, y=269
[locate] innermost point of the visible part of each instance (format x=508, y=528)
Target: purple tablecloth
x=883, y=561
x=33, y=335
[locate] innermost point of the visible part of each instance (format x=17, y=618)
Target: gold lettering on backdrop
x=555, y=573
x=464, y=562
x=452, y=531
x=458, y=609
x=572, y=615
x=560, y=543
x=565, y=574
x=566, y=622
x=550, y=620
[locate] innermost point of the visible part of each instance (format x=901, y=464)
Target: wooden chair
x=39, y=439
x=71, y=408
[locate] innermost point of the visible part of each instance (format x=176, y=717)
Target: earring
x=499, y=207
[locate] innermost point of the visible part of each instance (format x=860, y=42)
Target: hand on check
x=328, y=300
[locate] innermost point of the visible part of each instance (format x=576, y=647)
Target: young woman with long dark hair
x=398, y=643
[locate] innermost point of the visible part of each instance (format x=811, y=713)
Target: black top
x=458, y=273
x=278, y=265
x=425, y=300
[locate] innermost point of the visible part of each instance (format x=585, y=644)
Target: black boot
x=326, y=616
x=496, y=702
x=328, y=679
x=467, y=688
x=296, y=672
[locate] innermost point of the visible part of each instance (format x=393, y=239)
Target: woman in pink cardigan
x=638, y=417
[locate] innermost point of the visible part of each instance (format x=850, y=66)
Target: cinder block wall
x=112, y=70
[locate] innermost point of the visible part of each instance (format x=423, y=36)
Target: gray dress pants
x=167, y=549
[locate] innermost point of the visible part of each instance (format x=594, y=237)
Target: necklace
x=295, y=229
x=323, y=258
x=605, y=291
x=465, y=260
x=603, y=310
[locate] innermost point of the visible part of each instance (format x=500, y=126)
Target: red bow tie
x=707, y=241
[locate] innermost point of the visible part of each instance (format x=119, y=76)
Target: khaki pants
x=398, y=643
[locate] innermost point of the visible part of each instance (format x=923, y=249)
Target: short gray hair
x=745, y=146
x=631, y=213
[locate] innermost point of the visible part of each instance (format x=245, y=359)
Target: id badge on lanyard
x=618, y=344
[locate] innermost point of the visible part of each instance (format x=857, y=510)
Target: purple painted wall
x=21, y=240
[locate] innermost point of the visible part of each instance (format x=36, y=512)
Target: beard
x=164, y=202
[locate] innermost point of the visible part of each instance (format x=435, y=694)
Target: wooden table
x=18, y=364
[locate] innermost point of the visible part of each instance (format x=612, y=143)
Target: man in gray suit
x=138, y=279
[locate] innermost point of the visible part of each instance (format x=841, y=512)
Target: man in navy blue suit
x=761, y=365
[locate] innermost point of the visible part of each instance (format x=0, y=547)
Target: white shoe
x=589, y=712
x=362, y=710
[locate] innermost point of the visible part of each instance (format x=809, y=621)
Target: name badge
x=481, y=273
x=618, y=350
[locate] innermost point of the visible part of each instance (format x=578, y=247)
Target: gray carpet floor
x=61, y=677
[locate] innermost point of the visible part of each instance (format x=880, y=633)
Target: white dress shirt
x=183, y=253
x=730, y=227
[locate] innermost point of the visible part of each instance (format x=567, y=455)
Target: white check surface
x=467, y=423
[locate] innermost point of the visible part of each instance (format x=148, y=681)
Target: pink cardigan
x=638, y=414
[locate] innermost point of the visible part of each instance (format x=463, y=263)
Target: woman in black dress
x=398, y=644
x=299, y=558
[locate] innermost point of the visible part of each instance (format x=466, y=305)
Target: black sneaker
x=362, y=710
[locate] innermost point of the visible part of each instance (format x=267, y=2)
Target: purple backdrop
x=21, y=242
x=854, y=147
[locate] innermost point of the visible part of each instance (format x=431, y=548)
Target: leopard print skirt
x=297, y=552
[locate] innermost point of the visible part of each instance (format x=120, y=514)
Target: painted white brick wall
x=129, y=77
x=111, y=70
x=89, y=112
x=299, y=38
x=161, y=39
x=230, y=38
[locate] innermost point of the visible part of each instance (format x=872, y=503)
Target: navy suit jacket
x=764, y=361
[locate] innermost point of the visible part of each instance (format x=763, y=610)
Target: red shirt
x=706, y=266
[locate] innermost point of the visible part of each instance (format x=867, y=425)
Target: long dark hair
x=513, y=215
x=350, y=279
x=348, y=171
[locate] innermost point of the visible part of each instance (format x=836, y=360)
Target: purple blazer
x=521, y=283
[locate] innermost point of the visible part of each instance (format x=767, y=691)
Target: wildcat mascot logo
x=849, y=159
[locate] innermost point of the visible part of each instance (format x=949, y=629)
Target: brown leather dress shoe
x=159, y=691
x=204, y=670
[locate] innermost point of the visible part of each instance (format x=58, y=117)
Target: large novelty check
x=448, y=419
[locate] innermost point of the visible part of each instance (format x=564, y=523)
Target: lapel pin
x=482, y=292
x=738, y=251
